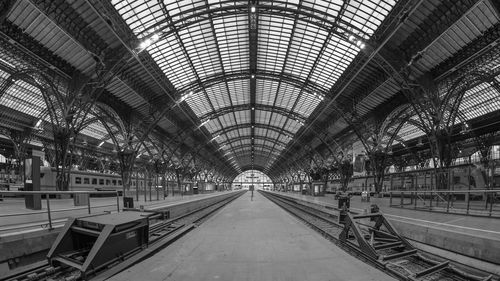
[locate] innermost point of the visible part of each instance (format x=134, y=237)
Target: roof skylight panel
x=283, y=138
x=95, y=130
x=478, y=101
x=170, y=57
x=199, y=104
x=266, y=91
x=135, y=13
x=259, y=141
x=333, y=61
x=288, y=95
x=292, y=126
x=240, y=91
x=245, y=142
x=23, y=97
x=260, y=117
x=213, y=125
x=330, y=7
x=232, y=37
x=243, y=132
x=232, y=134
x=260, y=131
x=200, y=44
x=367, y=15
x=218, y=95
x=277, y=120
x=306, y=104
x=227, y=120
x=272, y=134
x=243, y=116
x=274, y=36
x=305, y=48
x=269, y=144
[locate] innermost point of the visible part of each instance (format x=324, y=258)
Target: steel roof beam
x=264, y=107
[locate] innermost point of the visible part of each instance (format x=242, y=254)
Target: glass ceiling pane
x=266, y=92
x=199, y=104
x=232, y=34
x=240, y=91
x=287, y=95
x=218, y=96
x=332, y=62
x=274, y=37
x=243, y=116
x=305, y=48
x=306, y=104
x=217, y=44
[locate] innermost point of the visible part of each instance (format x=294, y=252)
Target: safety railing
x=484, y=202
x=83, y=195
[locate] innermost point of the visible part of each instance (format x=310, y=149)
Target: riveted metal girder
x=226, y=110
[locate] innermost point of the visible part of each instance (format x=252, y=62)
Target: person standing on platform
x=251, y=190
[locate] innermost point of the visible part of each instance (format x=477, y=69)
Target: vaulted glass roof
x=260, y=68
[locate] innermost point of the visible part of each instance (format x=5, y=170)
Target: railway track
x=372, y=239
x=161, y=233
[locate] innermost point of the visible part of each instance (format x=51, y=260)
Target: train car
x=81, y=180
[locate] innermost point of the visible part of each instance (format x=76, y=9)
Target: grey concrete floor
x=252, y=240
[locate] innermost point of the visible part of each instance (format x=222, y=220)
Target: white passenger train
x=86, y=181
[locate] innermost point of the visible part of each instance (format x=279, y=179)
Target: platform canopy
x=264, y=85
x=253, y=72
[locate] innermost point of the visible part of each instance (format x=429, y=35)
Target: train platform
x=252, y=240
x=471, y=236
x=471, y=224
x=15, y=218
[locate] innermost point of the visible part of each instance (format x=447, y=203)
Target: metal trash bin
x=128, y=202
x=81, y=199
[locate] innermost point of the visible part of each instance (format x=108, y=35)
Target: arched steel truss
x=275, y=109
x=188, y=17
x=257, y=125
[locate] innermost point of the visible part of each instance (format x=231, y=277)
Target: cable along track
x=371, y=238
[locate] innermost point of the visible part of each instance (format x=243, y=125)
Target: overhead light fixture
x=38, y=123
x=253, y=76
x=216, y=137
x=253, y=9
x=149, y=41
x=100, y=144
x=360, y=44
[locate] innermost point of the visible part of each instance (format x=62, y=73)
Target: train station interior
x=250, y=140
